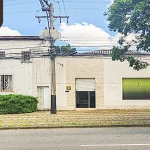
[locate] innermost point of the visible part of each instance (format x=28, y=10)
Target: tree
x=65, y=50
x=130, y=17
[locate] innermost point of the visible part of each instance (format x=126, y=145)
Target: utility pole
x=50, y=9
x=53, y=76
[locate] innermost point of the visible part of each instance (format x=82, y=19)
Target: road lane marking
x=111, y=145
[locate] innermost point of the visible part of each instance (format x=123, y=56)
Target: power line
x=87, y=2
x=64, y=7
x=87, y=39
x=20, y=48
x=55, y=2
x=83, y=8
x=9, y=49
x=10, y=0
x=20, y=12
x=60, y=1
x=59, y=7
x=20, y=3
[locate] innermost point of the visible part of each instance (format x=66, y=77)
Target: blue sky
x=87, y=25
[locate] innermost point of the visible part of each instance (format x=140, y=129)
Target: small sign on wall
x=68, y=88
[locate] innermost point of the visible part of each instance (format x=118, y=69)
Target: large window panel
x=136, y=88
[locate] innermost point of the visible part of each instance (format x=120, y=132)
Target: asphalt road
x=76, y=139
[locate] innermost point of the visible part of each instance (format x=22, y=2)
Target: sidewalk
x=78, y=118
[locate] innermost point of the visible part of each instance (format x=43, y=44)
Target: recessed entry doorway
x=43, y=94
x=85, y=93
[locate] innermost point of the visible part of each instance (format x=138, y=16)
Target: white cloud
x=5, y=31
x=86, y=35
x=130, y=38
x=111, y=1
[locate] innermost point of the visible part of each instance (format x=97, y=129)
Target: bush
x=15, y=104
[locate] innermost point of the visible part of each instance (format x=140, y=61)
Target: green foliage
x=65, y=50
x=130, y=16
x=136, y=64
x=15, y=104
x=120, y=54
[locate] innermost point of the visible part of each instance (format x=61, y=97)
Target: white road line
x=111, y=145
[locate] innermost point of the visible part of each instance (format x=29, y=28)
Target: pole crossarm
x=40, y=16
x=53, y=16
x=60, y=17
x=45, y=9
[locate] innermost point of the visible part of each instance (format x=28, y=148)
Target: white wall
x=21, y=74
x=42, y=77
x=17, y=46
x=114, y=71
x=28, y=76
x=61, y=98
x=13, y=48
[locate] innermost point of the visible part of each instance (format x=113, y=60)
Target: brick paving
x=77, y=118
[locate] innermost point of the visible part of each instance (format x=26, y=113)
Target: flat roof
x=20, y=38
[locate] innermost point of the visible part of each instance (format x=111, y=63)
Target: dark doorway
x=85, y=99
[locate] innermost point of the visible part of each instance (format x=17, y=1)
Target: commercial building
x=85, y=80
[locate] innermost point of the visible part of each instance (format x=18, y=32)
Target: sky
x=86, y=29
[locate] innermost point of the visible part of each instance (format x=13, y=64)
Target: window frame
x=4, y=89
x=2, y=54
x=26, y=56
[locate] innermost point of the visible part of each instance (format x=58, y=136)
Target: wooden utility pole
x=53, y=76
x=52, y=51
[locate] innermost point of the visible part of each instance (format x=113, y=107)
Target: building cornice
x=6, y=38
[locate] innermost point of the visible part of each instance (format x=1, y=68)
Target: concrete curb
x=93, y=126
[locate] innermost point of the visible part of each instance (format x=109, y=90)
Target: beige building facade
x=88, y=73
